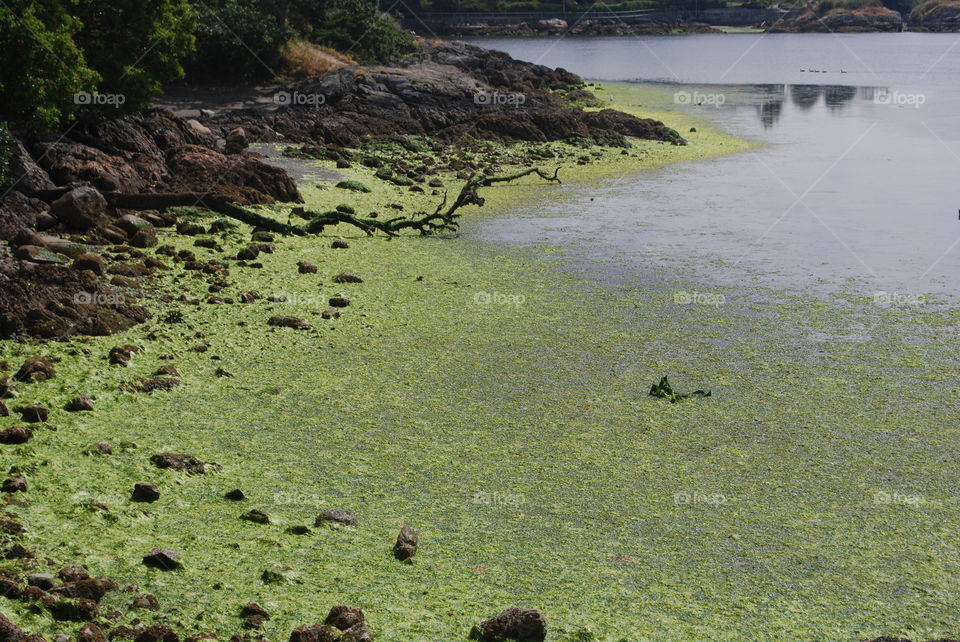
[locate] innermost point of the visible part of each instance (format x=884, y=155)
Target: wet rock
x=34, y=413
x=152, y=384
x=236, y=141
x=37, y=254
x=306, y=268
x=357, y=633
x=336, y=516
x=344, y=617
x=81, y=208
x=73, y=573
x=15, y=435
x=168, y=370
x=248, y=253
x=90, y=632
x=255, y=615
x=124, y=632
x=88, y=589
x=315, y=633
x=44, y=581
x=147, y=602
x=256, y=516
x=157, y=633
x=180, y=462
x=36, y=369
x=90, y=262
x=121, y=355
x=74, y=610
x=249, y=297
x=263, y=236
x=80, y=403
x=339, y=244
x=15, y=484
x=235, y=495
x=347, y=277
x=406, y=545
x=147, y=237
x=190, y=229
x=164, y=559
x=288, y=322
x=145, y=492
x=339, y=302
x=522, y=625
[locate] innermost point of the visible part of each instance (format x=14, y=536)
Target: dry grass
x=307, y=60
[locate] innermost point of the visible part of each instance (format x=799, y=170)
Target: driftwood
x=439, y=221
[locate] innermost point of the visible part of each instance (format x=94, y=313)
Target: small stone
x=339, y=244
x=523, y=625
x=74, y=573
x=147, y=602
x=236, y=141
x=44, y=581
x=145, y=492
x=255, y=615
x=15, y=435
x=4, y=411
x=36, y=369
x=90, y=632
x=347, y=277
x=336, y=516
x=406, y=545
x=155, y=633
x=164, y=559
x=288, y=322
x=15, y=484
x=339, y=302
x=80, y=403
x=315, y=633
x=168, y=370
x=256, y=516
x=74, y=610
x=90, y=262
x=306, y=268
x=235, y=495
x=181, y=462
x=344, y=617
x=34, y=413
x=102, y=447
x=330, y=313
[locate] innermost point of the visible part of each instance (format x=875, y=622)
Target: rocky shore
x=865, y=20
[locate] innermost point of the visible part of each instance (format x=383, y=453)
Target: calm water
x=857, y=177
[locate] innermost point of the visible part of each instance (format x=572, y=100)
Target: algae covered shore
x=499, y=404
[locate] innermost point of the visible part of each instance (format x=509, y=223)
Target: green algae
x=498, y=403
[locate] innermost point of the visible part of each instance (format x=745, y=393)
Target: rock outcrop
x=864, y=20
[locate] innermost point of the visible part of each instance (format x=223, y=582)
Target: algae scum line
x=294, y=403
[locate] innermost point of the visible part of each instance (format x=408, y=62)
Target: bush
x=7, y=144
x=237, y=40
x=358, y=29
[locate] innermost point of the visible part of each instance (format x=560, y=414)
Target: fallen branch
x=427, y=224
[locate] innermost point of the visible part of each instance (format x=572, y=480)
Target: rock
x=693, y=130
x=936, y=16
x=406, y=545
x=263, y=236
x=74, y=610
x=859, y=20
x=235, y=495
x=27, y=174
x=9, y=588
x=80, y=403
x=90, y=262
x=255, y=615
x=44, y=581
x=336, y=516
x=81, y=208
x=164, y=559
x=256, y=516
x=73, y=573
x=15, y=435
x=248, y=253
x=147, y=602
x=357, y=633
x=339, y=302
x=89, y=589
x=15, y=484
x=34, y=413
x=37, y=254
x=152, y=384
x=157, y=633
x=180, y=462
x=551, y=24
x=315, y=633
x=330, y=313
x=90, y=632
x=145, y=492
x=522, y=625
x=36, y=369
x=339, y=244
x=347, y=277
x=168, y=370
x=190, y=229
x=249, y=297
x=102, y=447
x=288, y=322
x=144, y=238
x=236, y=141
x=4, y=411
x=8, y=389
x=306, y=268
x=18, y=552
x=121, y=355
x=344, y=617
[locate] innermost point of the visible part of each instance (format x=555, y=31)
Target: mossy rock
x=354, y=186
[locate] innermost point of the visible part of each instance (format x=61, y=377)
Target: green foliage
x=664, y=390
x=238, y=39
x=7, y=143
x=357, y=28
x=43, y=68
x=825, y=6
x=135, y=46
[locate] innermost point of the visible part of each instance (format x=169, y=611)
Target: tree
x=358, y=28
x=135, y=45
x=43, y=68
x=239, y=39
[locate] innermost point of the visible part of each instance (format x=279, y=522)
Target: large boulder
x=81, y=208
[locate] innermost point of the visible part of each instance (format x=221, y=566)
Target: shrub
x=6, y=154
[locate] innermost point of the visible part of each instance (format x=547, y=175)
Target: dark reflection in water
x=769, y=100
